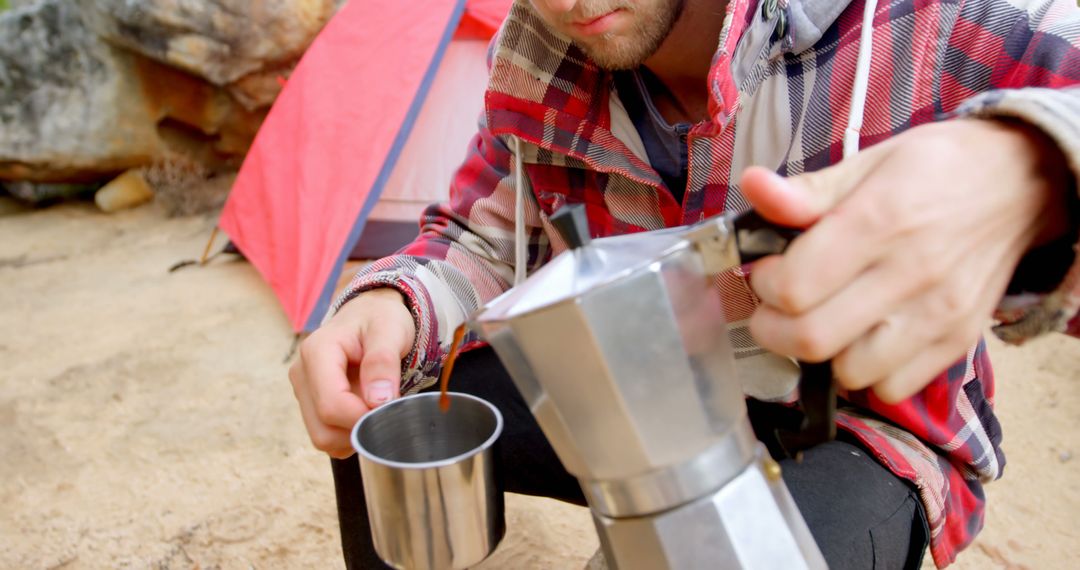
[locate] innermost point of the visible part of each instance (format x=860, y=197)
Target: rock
x=259, y=89
x=223, y=41
x=75, y=109
x=125, y=191
x=69, y=107
x=194, y=118
x=16, y=3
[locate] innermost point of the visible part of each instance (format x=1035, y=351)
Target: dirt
x=146, y=420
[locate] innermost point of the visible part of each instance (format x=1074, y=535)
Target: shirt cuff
x=1055, y=112
x=418, y=371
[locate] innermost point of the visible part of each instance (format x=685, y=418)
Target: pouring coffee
x=620, y=349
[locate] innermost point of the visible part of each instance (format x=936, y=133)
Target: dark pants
x=861, y=515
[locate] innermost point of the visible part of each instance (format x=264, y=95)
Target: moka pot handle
x=756, y=237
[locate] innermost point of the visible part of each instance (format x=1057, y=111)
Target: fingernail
x=380, y=391
x=780, y=180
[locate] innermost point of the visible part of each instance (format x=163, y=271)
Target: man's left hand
x=913, y=242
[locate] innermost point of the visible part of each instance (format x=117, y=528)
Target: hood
x=544, y=90
x=808, y=20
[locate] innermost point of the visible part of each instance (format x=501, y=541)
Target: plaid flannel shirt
x=788, y=76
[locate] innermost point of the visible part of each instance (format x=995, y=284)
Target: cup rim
x=490, y=441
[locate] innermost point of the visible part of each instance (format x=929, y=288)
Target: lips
x=598, y=25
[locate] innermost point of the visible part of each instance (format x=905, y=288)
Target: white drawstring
x=851, y=137
x=521, y=250
x=862, y=81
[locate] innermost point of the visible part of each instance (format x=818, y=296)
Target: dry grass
x=185, y=187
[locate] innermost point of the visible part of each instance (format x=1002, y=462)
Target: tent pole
x=206, y=252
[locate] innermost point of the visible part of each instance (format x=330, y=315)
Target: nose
x=557, y=6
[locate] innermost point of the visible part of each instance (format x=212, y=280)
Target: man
x=653, y=113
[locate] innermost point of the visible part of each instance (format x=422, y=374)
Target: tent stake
x=209, y=244
x=292, y=349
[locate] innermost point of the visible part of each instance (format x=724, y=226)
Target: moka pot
x=620, y=348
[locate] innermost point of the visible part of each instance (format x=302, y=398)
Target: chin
x=612, y=52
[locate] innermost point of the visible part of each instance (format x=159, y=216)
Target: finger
x=834, y=250
x=915, y=373
x=338, y=443
x=332, y=440
x=800, y=200
x=777, y=199
x=385, y=344
x=828, y=328
x=352, y=372
x=927, y=365
x=913, y=327
x=957, y=308
x=326, y=359
x=887, y=346
x=817, y=265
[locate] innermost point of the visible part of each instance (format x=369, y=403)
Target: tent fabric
x=332, y=140
x=440, y=135
x=435, y=148
x=482, y=18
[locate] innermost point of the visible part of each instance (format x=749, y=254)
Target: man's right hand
x=351, y=365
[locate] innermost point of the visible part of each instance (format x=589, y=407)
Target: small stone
x=1065, y=456
x=40, y=193
x=11, y=207
x=598, y=561
x=125, y=191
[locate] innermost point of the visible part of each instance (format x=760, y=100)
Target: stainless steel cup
x=431, y=480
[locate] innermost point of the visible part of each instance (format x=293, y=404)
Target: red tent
x=335, y=151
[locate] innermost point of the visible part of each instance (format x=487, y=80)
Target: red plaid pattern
x=932, y=59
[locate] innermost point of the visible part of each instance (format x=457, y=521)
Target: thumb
x=801, y=200
x=385, y=344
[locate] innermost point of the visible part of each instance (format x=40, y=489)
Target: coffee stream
x=448, y=367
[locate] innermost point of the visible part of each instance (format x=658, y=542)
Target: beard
x=652, y=25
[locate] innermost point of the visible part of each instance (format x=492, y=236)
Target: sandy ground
x=146, y=420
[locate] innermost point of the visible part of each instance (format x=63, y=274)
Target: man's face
x=616, y=34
